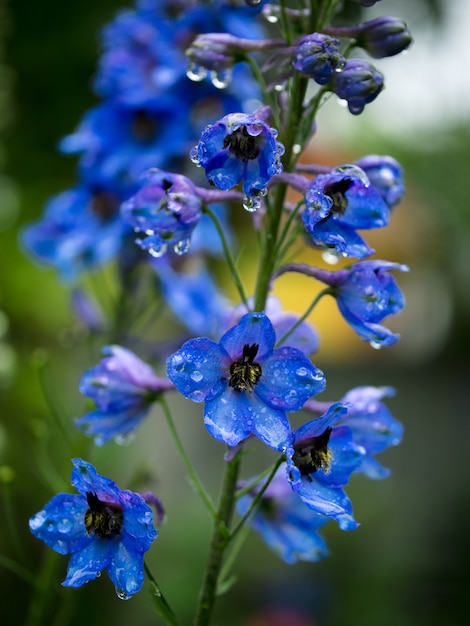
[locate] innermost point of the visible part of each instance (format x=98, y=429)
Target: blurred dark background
x=407, y=564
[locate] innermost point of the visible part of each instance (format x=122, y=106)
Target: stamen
x=336, y=191
x=242, y=145
x=103, y=518
x=312, y=454
x=245, y=373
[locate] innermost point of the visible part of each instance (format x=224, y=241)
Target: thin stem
x=161, y=604
x=313, y=304
x=192, y=473
x=257, y=498
x=220, y=538
x=228, y=255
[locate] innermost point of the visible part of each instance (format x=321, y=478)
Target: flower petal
x=126, y=570
x=89, y=563
x=253, y=328
x=86, y=478
x=229, y=417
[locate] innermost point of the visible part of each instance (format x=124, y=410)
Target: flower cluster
x=209, y=84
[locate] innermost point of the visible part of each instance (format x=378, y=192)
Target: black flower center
x=144, y=127
x=312, y=454
x=104, y=205
x=243, y=146
x=102, y=518
x=336, y=191
x=245, y=373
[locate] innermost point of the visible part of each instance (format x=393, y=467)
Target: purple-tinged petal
x=199, y=369
x=253, y=328
x=289, y=379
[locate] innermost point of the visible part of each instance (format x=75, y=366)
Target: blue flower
x=123, y=388
x=246, y=384
x=366, y=294
x=359, y=83
x=318, y=56
x=81, y=230
x=165, y=211
x=372, y=425
x=339, y=203
x=239, y=147
x=286, y=524
x=383, y=36
x=102, y=528
x=321, y=456
x=385, y=175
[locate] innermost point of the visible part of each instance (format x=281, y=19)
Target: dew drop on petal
x=301, y=371
x=375, y=344
x=196, y=376
x=122, y=595
x=182, y=246
x=352, y=170
x=221, y=79
x=252, y=3
x=330, y=256
x=196, y=72
x=158, y=252
x=251, y=203
x=193, y=155
x=64, y=525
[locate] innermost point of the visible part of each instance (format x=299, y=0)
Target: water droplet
x=270, y=14
x=222, y=78
x=159, y=251
x=251, y=203
x=194, y=156
x=280, y=86
x=196, y=72
x=64, y=525
x=149, y=232
x=330, y=256
x=252, y=3
x=375, y=345
x=182, y=246
x=122, y=595
x=125, y=439
x=297, y=148
x=196, y=376
x=301, y=371
x=352, y=170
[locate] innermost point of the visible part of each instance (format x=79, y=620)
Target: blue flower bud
x=214, y=51
x=385, y=175
x=358, y=83
x=318, y=56
x=384, y=37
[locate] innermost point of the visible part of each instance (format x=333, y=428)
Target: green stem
x=161, y=605
x=192, y=473
x=313, y=304
x=228, y=255
x=220, y=538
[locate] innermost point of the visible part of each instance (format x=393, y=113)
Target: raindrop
x=196, y=72
x=149, y=232
x=352, y=170
x=252, y=3
x=64, y=525
x=122, y=595
x=271, y=16
x=182, y=246
x=125, y=439
x=375, y=345
x=159, y=251
x=251, y=203
x=297, y=148
x=280, y=86
x=330, y=256
x=196, y=376
x=193, y=155
x=221, y=79
x=301, y=371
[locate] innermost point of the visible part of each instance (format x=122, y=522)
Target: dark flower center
x=104, y=205
x=245, y=373
x=312, y=454
x=144, y=127
x=243, y=146
x=336, y=191
x=102, y=518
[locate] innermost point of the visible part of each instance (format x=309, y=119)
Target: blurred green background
x=407, y=563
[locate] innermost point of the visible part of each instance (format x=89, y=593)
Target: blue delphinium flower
x=340, y=203
x=246, y=384
x=164, y=211
x=123, y=388
x=80, y=230
x=373, y=426
x=366, y=294
x=321, y=456
x=237, y=148
x=286, y=524
x=359, y=83
x=385, y=175
x=318, y=56
x=102, y=528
